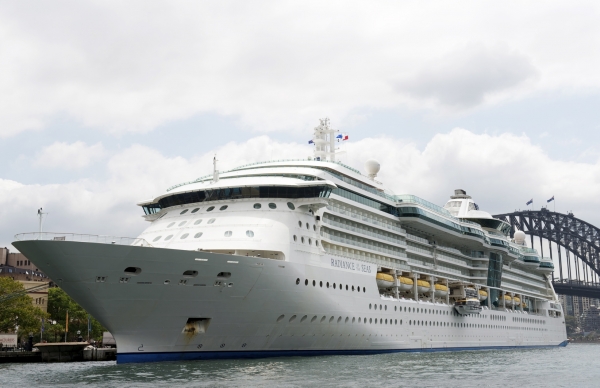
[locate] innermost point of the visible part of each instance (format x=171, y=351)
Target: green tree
x=18, y=311
x=58, y=304
x=571, y=324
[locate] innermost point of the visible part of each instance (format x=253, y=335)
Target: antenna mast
x=324, y=139
x=215, y=171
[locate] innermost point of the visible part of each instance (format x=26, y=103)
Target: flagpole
x=67, y=326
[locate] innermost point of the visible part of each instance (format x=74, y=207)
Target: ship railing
x=91, y=238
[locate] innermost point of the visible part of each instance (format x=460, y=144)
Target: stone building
x=18, y=267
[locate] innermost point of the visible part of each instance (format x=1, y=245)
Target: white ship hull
x=260, y=310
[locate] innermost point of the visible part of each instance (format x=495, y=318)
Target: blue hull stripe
x=125, y=358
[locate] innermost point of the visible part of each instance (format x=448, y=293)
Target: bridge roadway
x=576, y=288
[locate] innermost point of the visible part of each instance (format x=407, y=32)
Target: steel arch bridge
x=576, y=251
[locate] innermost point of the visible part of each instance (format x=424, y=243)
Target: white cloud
x=67, y=156
x=276, y=66
x=501, y=172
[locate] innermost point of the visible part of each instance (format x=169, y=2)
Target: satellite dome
x=372, y=167
x=520, y=237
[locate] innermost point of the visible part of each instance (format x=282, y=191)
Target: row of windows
x=529, y=320
x=197, y=222
x=303, y=240
x=334, y=285
x=228, y=233
x=307, y=226
x=237, y=193
x=40, y=300
x=386, y=321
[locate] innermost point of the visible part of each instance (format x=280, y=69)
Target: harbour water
x=577, y=365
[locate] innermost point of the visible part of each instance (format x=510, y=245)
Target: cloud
x=67, y=156
x=501, y=172
x=465, y=77
x=276, y=66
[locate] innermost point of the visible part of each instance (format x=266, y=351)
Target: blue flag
x=529, y=202
x=311, y=142
x=551, y=199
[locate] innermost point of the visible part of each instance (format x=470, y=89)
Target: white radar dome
x=372, y=167
x=520, y=237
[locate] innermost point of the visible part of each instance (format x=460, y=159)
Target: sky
x=107, y=103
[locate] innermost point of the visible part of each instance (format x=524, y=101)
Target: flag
x=551, y=199
x=311, y=142
x=529, y=202
x=338, y=136
x=345, y=137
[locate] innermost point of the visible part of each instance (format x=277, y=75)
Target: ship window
x=210, y=209
x=195, y=210
x=309, y=241
x=184, y=236
x=334, y=286
x=295, y=238
x=272, y=206
x=223, y=207
x=364, y=289
x=370, y=305
x=197, y=235
x=171, y=224
x=375, y=307
x=300, y=223
x=185, y=211
x=211, y=221
x=314, y=283
x=190, y=273
x=297, y=281
x=228, y=233
x=321, y=283
x=306, y=282
x=257, y=205
x=315, y=227
x=307, y=226
x=156, y=238
x=291, y=206
x=182, y=223
x=302, y=239
x=346, y=284
x=249, y=233
x=327, y=284
x=198, y=222
x=168, y=237
x=352, y=288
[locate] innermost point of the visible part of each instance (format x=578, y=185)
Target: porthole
x=352, y=288
x=370, y=306
x=315, y=228
x=223, y=207
x=185, y=211
x=210, y=209
x=291, y=206
x=168, y=237
x=302, y=240
x=228, y=233
x=307, y=226
x=182, y=223
x=297, y=281
x=306, y=282
x=272, y=206
x=346, y=287
x=211, y=221
x=316, y=243
x=300, y=223
x=249, y=233
x=171, y=224
x=364, y=289
x=184, y=236
x=395, y=308
x=195, y=210
x=385, y=307
x=321, y=283
x=375, y=307
x=156, y=238
x=295, y=238
x=327, y=284
x=309, y=241
x=314, y=283
x=198, y=222
x=257, y=205
x=334, y=286
x=198, y=235
x=370, y=320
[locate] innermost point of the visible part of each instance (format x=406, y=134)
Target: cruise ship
x=306, y=257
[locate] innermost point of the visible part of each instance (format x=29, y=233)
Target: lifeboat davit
x=405, y=284
x=384, y=280
x=482, y=295
x=441, y=290
x=423, y=286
